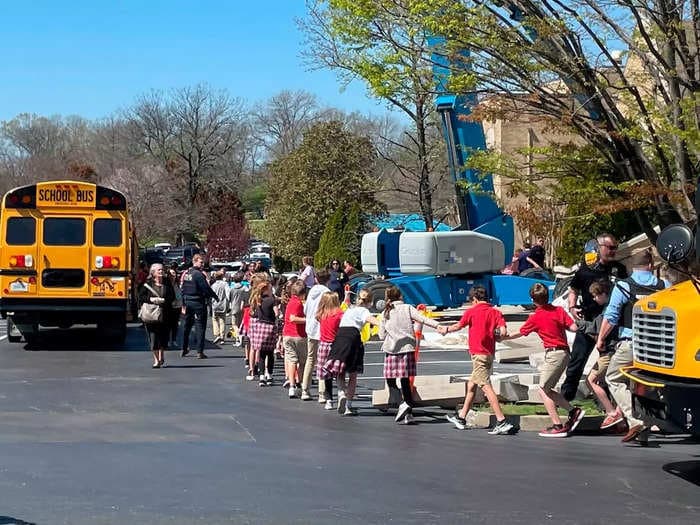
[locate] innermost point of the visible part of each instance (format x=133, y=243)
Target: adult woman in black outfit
x=158, y=290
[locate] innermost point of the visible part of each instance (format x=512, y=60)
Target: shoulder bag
x=149, y=312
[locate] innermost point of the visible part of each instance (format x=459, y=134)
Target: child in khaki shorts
x=600, y=291
x=485, y=325
x=550, y=324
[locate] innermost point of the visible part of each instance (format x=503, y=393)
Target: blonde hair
x=327, y=305
x=256, y=295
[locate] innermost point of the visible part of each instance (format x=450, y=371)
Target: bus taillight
x=21, y=261
x=106, y=261
x=21, y=198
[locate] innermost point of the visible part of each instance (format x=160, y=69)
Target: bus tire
x=12, y=338
x=114, y=331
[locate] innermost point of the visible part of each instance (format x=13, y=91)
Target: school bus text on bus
x=67, y=256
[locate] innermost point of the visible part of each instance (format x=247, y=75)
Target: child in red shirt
x=244, y=331
x=294, y=336
x=485, y=324
x=551, y=323
x=329, y=315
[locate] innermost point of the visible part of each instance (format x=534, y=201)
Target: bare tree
x=194, y=133
x=281, y=121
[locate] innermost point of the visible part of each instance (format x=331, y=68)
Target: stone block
x=430, y=391
x=514, y=355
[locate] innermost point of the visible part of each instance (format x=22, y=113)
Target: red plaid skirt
x=324, y=349
x=399, y=365
x=263, y=336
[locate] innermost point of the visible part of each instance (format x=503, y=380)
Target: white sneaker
x=342, y=402
x=322, y=397
x=292, y=392
x=502, y=428
x=305, y=395
x=404, y=408
x=328, y=405
x=407, y=420
x=250, y=377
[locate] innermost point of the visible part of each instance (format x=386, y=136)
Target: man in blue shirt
x=626, y=292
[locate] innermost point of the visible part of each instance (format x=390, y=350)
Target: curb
x=536, y=423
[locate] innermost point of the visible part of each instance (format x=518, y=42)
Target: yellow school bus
x=67, y=256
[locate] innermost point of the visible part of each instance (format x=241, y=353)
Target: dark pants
x=405, y=388
x=580, y=351
x=267, y=361
x=195, y=314
x=174, y=323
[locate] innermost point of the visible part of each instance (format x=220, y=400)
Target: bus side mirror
x=675, y=243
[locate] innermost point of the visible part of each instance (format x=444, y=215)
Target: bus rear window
x=107, y=232
x=64, y=232
x=21, y=231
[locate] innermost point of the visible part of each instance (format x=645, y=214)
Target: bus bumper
x=670, y=403
x=62, y=312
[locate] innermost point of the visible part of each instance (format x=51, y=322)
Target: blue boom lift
x=439, y=268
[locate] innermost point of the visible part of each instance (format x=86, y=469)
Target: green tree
x=340, y=236
x=331, y=168
x=376, y=41
x=619, y=75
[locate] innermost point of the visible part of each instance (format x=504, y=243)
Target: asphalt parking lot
x=91, y=435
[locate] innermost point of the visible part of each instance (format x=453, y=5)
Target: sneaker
x=305, y=395
x=555, y=431
x=575, y=416
x=342, y=403
x=263, y=381
x=611, y=421
x=328, y=405
x=184, y=352
x=292, y=392
x=348, y=412
x=501, y=428
x=268, y=380
x=407, y=420
x=404, y=408
x=458, y=422
x=216, y=340
x=247, y=363
x=202, y=355
x=250, y=377
x=322, y=397
x=285, y=384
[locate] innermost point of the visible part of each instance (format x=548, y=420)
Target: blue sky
x=91, y=58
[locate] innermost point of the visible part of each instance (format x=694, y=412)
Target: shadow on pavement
x=687, y=470
x=7, y=520
x=81, y=338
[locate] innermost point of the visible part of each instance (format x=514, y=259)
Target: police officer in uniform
x=602, y=266
x=196, y=293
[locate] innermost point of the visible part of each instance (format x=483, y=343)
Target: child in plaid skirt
x=329, y=315
x=263, y=331
x=347, y=351
x=397, y=332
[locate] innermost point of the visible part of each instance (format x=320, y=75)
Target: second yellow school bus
x=67, y=256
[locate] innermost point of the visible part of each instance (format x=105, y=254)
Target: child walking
x=483, y=321
x=600, y=291
x=329, y=315
x=396, y=330
x=550, y=323
x=294, y=336
x=347, y=351
x=263, y=337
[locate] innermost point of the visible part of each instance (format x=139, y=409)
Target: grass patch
x=513, y=409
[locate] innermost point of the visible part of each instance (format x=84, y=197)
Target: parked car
x=151, y=255
x=182, y=255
